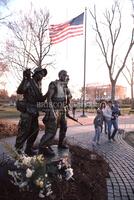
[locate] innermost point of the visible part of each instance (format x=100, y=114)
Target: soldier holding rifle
x=58, y=99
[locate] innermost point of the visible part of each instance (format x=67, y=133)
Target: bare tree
x=3, y=67
x=107, y=40
x=129, y=76
x=3, y=63
x=30, y=44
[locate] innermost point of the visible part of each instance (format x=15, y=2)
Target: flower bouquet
x=36, y=173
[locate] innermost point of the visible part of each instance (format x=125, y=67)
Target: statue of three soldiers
x=57, y=99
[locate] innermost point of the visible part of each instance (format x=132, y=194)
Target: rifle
x=76, y=120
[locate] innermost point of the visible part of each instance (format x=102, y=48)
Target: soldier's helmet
x=39, y=70
x=62, y=72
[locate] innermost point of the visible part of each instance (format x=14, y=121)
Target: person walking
x=98, y=123
x=102, y=108
x=107, y=113
x=114, y=120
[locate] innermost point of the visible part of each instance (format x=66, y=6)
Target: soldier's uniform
x=28, y=125
x=56, y=115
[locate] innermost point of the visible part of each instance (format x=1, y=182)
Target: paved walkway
x=119, y=155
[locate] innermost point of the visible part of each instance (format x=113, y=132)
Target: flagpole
x=84, y=79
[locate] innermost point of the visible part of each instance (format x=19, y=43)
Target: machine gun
x=76, y=120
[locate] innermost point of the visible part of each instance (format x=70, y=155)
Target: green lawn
x=8, y=111
x=125, y=111
x=11, y=111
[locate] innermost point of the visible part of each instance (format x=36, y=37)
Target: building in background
x=96, y=92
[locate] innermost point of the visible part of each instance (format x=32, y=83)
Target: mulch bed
x=129, y=138
x=8, y=129
x=90, y=173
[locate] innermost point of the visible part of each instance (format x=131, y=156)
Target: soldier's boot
x=62, y=135
x=61, y=145
x=30, y=152
x=19, y=151
x=46, y=151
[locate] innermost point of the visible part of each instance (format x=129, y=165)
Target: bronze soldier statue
x=28, y=125
x=58, y=99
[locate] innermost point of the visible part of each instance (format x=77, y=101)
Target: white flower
x=40, y=158
x=37, y=182
x=65, y=160
x=60, y=176
x=41, y=195
x=33, y=159
x=69, y=173
x=23, y=184
x=41, y=184
x=10, y=173
x=26, y=160
x=49, y=192
x=48, y=185
x=29, y=173
x=59, y=166
x=42, y=181
x=17, y=164
x=46, y=175
x=48, y=188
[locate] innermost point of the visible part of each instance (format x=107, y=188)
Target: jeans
x=97, y=134
x=115, y=126
x=111, y=123
x=105, y=126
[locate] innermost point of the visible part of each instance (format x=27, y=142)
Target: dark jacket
x=115, y=112
x=98, y=120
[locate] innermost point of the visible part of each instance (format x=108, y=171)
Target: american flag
x=61, y=32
